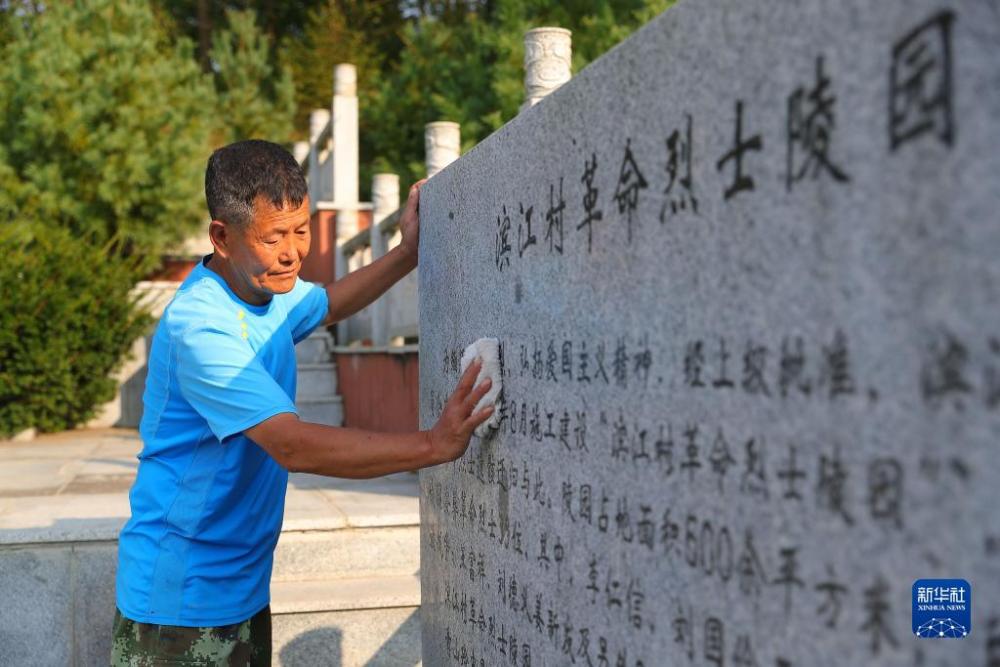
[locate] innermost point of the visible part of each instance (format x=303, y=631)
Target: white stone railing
x=330, y=157
x=154, y=295
x=393, y=318
x=316, y=158
x=329, y=160
x=125, y=409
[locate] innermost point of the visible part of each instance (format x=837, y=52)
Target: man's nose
x=289, y=251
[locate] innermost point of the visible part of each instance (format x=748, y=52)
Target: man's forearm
x=300, y=446
x=341, y=452
x=360, y=288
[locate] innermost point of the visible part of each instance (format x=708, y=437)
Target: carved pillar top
x=442, y=145
x=300, y=151
x=345, y=80
x=548, y=60
x=318, y=118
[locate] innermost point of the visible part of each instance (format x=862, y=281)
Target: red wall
x=381, y=391
x=318, y=266
x=174, y=269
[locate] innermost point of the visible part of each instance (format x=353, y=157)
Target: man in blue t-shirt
x=219, y=427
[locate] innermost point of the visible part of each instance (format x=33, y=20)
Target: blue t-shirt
x=207, y=502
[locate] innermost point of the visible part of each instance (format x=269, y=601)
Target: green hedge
x=67, y=321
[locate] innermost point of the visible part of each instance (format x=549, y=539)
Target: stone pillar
x=300, y=151
x=442, y=145
x=347, y=222
x=385, y=196
x=548, y=62
x=340, y=270
x=345, y=149
x=318, y=119
x=345, y=135
x=385, y=201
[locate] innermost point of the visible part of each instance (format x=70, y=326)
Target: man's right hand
x=450, y=436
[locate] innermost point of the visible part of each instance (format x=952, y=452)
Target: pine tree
x=104, y=124
x=256, y=96
x=364, y=33
x=463, y=61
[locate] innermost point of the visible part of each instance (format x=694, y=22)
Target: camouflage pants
x=150, y=645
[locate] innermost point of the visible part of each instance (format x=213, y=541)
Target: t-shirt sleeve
x=307, y=307
x=219, y=374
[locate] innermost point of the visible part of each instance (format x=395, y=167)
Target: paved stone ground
x=74, y=486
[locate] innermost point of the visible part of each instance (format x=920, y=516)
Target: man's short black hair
x=239, y=173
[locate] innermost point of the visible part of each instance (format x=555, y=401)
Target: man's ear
x=221, y=236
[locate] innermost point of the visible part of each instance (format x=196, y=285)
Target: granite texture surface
x=744, y=272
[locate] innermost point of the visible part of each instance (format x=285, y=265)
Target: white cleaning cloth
x=487, y=349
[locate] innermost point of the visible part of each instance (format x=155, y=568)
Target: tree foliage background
x=425, y=60
x=418, y=60
x=102, y=128
x=66, y=321
x=106, y=121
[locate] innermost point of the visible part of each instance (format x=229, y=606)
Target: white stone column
x=385, y=201
x=318, y=118
x=548, y=62
x=442, y=145
x=345, y=149
x=347, y=221
x=339, y=271
x=345, y=135
x=385, y=196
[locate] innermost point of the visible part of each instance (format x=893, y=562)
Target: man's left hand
x=409, y=221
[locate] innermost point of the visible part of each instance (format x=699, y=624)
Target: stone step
x=317, y=380
x=369, y=552
x=327, y=410
x=315, y=349
x=343, y=527
x=345, y=594
x=347, y=621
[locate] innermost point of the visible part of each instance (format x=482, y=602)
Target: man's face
x=268, y=255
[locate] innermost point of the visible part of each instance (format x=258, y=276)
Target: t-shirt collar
x=202, y=270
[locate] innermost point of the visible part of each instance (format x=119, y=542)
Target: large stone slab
x=95, y=567
x=36, y=615
x=368, y=552
x=744, y=270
